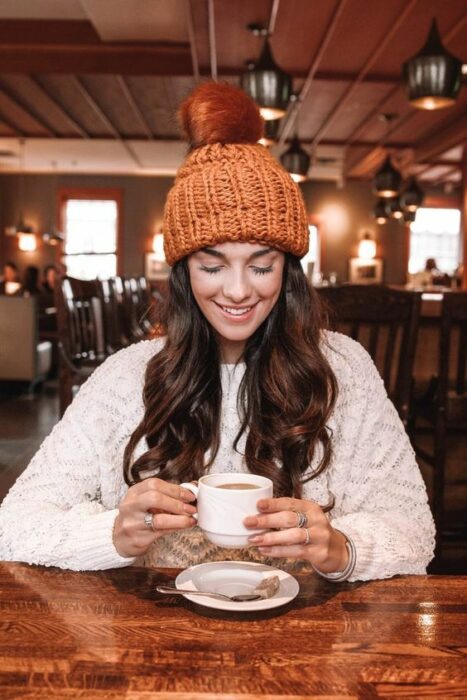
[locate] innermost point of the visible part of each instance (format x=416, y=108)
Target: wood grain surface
x=108, y=635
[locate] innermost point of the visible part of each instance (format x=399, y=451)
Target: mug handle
x=193, y=487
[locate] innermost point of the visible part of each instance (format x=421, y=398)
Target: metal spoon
x=267, y=588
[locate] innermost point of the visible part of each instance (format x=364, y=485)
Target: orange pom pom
x=220, y=113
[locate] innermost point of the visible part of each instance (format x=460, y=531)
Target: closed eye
x=262, y=270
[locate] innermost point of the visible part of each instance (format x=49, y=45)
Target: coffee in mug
x=224, y=501
x=239, y=487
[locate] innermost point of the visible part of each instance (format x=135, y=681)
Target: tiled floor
x=24, y=422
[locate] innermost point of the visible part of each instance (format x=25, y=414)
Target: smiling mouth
x=236, y=310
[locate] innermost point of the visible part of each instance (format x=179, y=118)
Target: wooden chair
x=443, y=406
x=385, y=322
x=81, y=334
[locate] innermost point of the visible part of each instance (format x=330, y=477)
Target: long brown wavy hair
x=285, y=398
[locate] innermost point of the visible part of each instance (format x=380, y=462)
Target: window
x=435, y=233
x=90, y=225
x=311, y=261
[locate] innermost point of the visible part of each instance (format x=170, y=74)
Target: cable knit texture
x=62, y=509
x=233, y=192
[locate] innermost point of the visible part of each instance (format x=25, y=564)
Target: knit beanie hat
x=230, y=188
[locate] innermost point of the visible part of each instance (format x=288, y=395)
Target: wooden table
x=108, y=635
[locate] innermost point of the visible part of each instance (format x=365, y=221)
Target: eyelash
x=256, y=270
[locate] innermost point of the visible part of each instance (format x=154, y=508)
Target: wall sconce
x=367, y=247
x=27, y=242
x=158, y=246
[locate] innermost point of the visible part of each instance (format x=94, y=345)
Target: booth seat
x=22, y=356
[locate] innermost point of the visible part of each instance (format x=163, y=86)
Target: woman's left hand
x=326, y=547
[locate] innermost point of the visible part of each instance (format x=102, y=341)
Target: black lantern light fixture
x=380, y=212
x=387, y=180
x=271, y=132
x=296, y=161
x=413, y=196
x=265, y=82
x=433, y=76
x=394, y=209
x=409, y=216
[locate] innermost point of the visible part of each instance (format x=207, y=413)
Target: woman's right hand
x=171, y=509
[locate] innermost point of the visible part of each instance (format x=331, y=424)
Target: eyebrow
x=217, y=254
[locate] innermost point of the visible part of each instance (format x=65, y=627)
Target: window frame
x=431, y=202
x=64, y=194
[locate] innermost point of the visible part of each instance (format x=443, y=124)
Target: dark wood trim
x=115, y=193
x=464, y=216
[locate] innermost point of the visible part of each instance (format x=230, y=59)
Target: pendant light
x=409, y=216
x=387, y=180
x=433, y=76
x=394, y=209
x=271, y=132
x=296, y=161
x=268, y=85
x=413, y=196
x=380, y=212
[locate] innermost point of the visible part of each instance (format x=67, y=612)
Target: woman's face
x=236, y=286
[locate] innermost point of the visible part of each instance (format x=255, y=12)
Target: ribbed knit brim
x=233, y=192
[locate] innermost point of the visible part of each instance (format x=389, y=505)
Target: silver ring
x=149, y=521
x=302, y=519
x=307, y=537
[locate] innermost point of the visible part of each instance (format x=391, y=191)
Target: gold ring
x=307, y=537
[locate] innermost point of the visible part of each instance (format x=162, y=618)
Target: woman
x=243, y=378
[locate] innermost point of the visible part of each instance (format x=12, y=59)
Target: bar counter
x=109, y=635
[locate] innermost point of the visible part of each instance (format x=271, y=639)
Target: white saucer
x=232, y=578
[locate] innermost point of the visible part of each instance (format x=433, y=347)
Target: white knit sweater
x=62, y=509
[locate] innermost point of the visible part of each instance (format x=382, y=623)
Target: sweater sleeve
x=382, y=504
x=54, y=514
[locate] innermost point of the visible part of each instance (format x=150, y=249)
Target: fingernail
x=188, y=496
x=262, y=505
x=264, y=550
x=255, y=538
x=251, y=521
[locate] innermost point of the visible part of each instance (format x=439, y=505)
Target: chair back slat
x=385, y=322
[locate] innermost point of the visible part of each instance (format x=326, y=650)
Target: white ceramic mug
x=224, y=501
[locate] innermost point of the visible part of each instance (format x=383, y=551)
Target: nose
x=236, y=286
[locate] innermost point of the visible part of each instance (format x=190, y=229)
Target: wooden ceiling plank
x=125, y=88
x=32, y=113
x=87, y=97
x=10, y=125
x=328, y=32
x=192, y=38
x=369, y=117
x=363, y=72
x=64, y=112
x=212, y=39
x=437, y=142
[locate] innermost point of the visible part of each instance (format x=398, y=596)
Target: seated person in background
x=10, y=283
x=31, y=281
x=242, y=377
x=49, y=278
